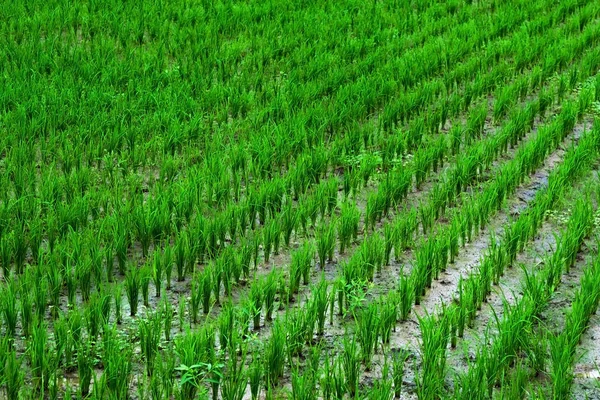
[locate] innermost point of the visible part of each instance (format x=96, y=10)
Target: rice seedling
x=269, y=234
x=13, y=375
x=84, y=368
x=325, y=243
x=563, y=345
x=53, y=387
x=339, y=289
x=109, y=262
x=338, y=380
x=303, y=386
x=255, y=375
x=244, y=315
x=62, y=341
x=181, y=312
x=427, y=216
x=515, y=386
x=389, y=240
x=296, y=325
x=74, y=320
x=216, y=278
x=10, y=307
x=5, y=255
x=39, y=356
x=351, y=366
x=373, y=211
x=382, y=389
x=71, y=285
x=233, y=386
x=117, y=363
x=133, y=281
x=347, y=228
x=117, y=292
x=157, y=273
x=93, y=316
x=276, y=235
x=313, y=365
x=195, y=298
x=155, y=389
x=40, y=294
x=167, y=262
x=326, y=381
x=320, y=300
x=181, y=254
x=370, y=257
x=166, y=318
x=398, y=363
x=26, y=311
x=233, y=267
x=150, y=331
x=434, y=336
x=256, y=301
x=536, y=351
x=269, y=290
x=367, y=323
x=19, y=248
x=193, y=377
x=274, y=354
x=145, y=278
x=205, y=285
x=120, y=244
x=388, y=315
x=83, y=274
x=309, y=321
x=300, y=265
x=55, y=283
x=256, y=242
x=166, y=366
x=406, y=296
x=226, y=322
x=104, y=303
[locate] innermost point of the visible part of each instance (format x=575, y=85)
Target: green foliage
x=300, y=265
x=303, y=386
x=157, y=273
x=434, y=342
x=145, y=278
x=275, y=354
x=133, y=281
x=118, y=295
x=320, y=299
x=325, y=242
x=256, y=302
x=141, y=137
x=150, y=331
x=255, y=375
x=406, y=297
x=9, y=307
x=269, y=292
x=367, y=323
x=347, y=228
x=39, y=353
x=388, y=315
x=351, y=366
x=13, y=375
x=233, y=386
x=84, y=368
x=398, y=367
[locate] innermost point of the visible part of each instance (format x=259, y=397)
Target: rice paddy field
x=242, y=200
